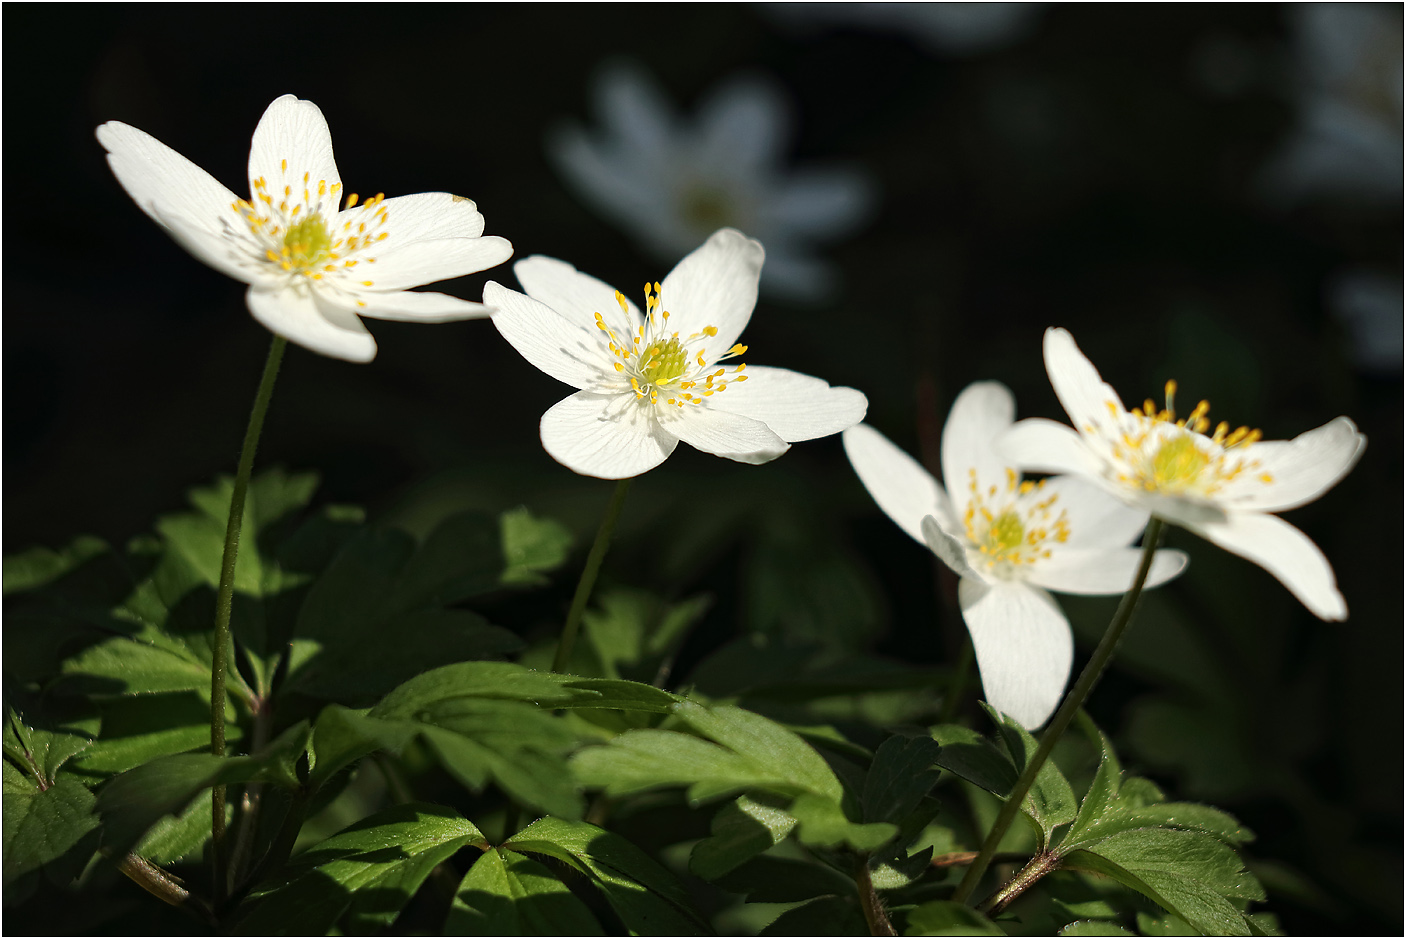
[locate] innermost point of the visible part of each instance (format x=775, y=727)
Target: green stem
x=588, y=575
x=1075, y=700
x=225, y=599
x=958, y=686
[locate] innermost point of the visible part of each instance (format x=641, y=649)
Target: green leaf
x=1185, y=872
x=902, y=773
x=1050, y=802
x=507, y=894
x=1094, y=927
x=141, y=728
x=360, y=877
x=826, y=916
x=947, y=918
x=823, y=823
x=764, y=743
x=342, y=736
x=42, y=750
x=41, y=825
x=633, y=632
x=648, y=759
x=974, y=758
x=1103, y=790
x=37, y=567
x=648, y=899
x=741, y=830
x=895, y=872
x=1189, y=815
x=770, y=879
x=531, y=546
x=1168, y=925
x=174, y=837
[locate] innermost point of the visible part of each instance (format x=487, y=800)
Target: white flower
x=1011, y=541
x=672, y=183
x=649, y=380
x=1221, y=486
x=312, y=268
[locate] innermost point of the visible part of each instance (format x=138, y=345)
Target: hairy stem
x=224, y=601
x=1075, y=700
x=1040, y=865
x=869, y=901
x=165, y=887
x=588, y=574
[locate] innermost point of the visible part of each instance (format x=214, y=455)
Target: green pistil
x=664, y=362
x=1178, y=463
x=308, y=242
x=1006, y=533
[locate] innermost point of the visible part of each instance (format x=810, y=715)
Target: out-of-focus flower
x=1369, y=303
x=1223, y=486
x=1011, y=542
x=672, y=183
x=1348, y=79
x=944, y=28
x=648, y=380
x=312, y=268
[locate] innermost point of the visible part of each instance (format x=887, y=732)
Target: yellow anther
x=619, y=367
x=710, y=331
x=352, y=199
x=285, y=166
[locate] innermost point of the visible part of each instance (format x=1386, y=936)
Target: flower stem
x=874, y=915
x=588, y=575
x=1075, y=700
x=224, y=601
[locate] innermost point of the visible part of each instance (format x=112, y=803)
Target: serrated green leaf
x=1188, y=815
x=508, y=894
x=896, y=872
x=1103, y=790
x=647, y=759
x=1168, y=925
x=902, y=773
x=531, y=777
x=36, y=567
x=766, y=744
x=769, y=879
x=141, y=728
x=42, y=825
x=174, y=837
x=948, y=918
x=823, y=823
x=648, y=899
x=1050, y=802
x=974, y=758
x=342, y=736
x=741, y=830
x=498, y=680
x=633, y=631
x=531, y=546
x=44, y=749
x=1138, y=791
x=360, y=877
x=1094, y=927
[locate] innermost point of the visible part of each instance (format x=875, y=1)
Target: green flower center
x=664, y=361
x=307, y=244
x=1178, y=463
x=1007, y=532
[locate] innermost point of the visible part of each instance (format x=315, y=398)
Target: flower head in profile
x=1011, y=541
x=672, y=183
x=315, y=257
x=1221, y=485
x=671, y=372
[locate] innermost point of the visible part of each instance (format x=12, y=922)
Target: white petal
x=294, y=131
x=905, y=491
x=174, y=192
x=820, y=204
x=795, y=406
x=403, y=265
x=575, y=296
x=298, y=317
x=632, y=108
x=1083, y=393
x=610, y=436
x=230, y=251
x=724, y=434
x=948, y=548
x=1096, y=519
x=410, y=306
x=1023, y=645
x=983, y=411
x=1302, y=469
x=1098, y=571
x=743, y=125
x=1038, y=443
x=564, y=350
x=1285, y=552
x=620, y=189
x=423, y=216
x=715, y=286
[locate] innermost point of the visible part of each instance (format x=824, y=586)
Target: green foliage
x=361, y=877
x=945, y=918
x=509, y=894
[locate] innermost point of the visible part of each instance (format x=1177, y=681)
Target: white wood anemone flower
x=650, y=379
x=313, y=264
x=671, y=182
x=1011, y=541
x=1220, y=485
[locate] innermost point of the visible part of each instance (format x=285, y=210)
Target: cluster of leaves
x=656, y=811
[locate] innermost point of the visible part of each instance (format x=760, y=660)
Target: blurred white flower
x=1347, y=76
x=1011, y=542
x=672, y=183
x=648, y=380
x=1369, y=303
x=312, y=268
x=946, y=28
x=1222, y=486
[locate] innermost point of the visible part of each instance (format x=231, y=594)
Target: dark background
x=1101, y=172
